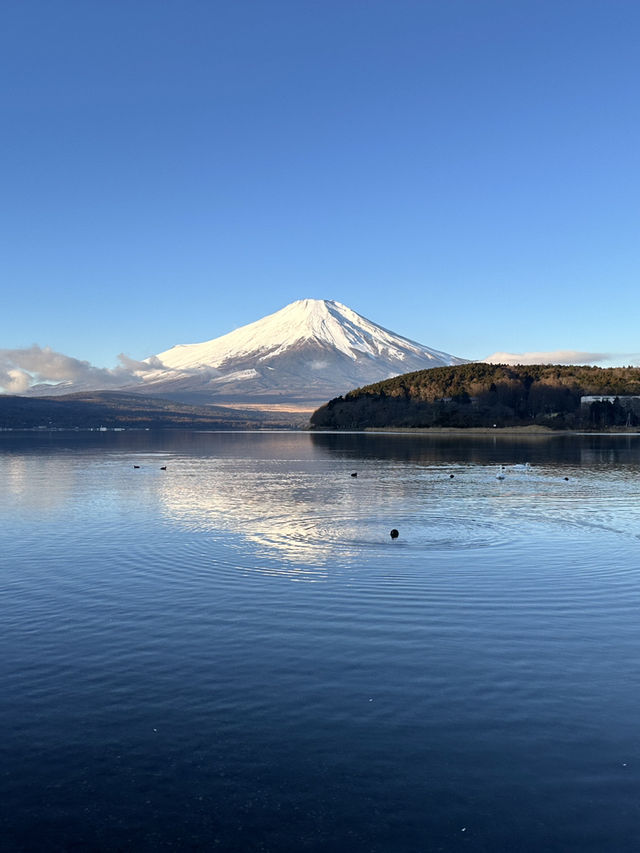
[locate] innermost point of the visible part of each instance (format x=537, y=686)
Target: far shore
x=529, y=429
x=514, y=430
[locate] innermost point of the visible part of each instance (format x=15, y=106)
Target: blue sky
x=465, y=173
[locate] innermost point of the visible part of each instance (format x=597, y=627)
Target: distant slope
x=91, y=410
x=481, y=394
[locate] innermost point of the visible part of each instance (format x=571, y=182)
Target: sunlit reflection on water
x=310, y=514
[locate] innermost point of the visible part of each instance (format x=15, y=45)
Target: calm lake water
x=232, y=654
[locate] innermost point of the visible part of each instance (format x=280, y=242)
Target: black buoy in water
x=451, y=476
x=136, y=466
x=394, y=534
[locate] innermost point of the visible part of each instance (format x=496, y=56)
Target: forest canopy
x=480, y=394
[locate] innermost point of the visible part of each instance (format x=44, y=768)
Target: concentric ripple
x=312, y=513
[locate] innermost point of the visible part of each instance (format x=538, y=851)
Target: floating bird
x=136, y=466
x=394, y=534
x=355, y=474
x=451, y=476
x=567, y=479
x=164, y=468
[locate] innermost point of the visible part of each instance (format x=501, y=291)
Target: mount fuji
x=298, y=357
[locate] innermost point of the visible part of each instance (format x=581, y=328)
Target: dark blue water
x=233, y=655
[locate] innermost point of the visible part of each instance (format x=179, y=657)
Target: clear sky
x=462, y=172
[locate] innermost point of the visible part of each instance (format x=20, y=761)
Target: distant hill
x=479, y=394
x=114, y=409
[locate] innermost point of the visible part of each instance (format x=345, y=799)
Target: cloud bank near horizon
x=563, y=357
x=20, y=369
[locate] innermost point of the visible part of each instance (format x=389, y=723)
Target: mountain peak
x=324, y=322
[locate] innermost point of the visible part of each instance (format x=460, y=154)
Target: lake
x=232, y=654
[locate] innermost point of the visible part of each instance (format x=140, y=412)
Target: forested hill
x=116, y=409
x=481, y=394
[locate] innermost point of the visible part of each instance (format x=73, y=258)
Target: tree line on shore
x=118, y=410
x=487, y=395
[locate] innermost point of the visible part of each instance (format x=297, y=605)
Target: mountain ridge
x=321, y=320
x=123, y=410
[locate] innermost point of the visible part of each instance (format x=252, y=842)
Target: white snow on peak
x=321, y=321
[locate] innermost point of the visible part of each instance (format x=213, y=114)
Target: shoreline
x=529, y=429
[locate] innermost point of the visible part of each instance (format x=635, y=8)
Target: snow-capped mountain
x=304, y=354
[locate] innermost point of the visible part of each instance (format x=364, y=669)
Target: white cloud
x=560, y=357
x=22, y=368
x=132, y=365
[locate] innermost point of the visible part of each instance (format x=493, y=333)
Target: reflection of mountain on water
x=290, y=509
x=286, y=503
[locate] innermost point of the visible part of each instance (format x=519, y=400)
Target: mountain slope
x=305, y=353
x=320, y=321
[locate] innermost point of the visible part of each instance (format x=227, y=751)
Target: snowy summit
x=318, y=321
x=304, y=354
